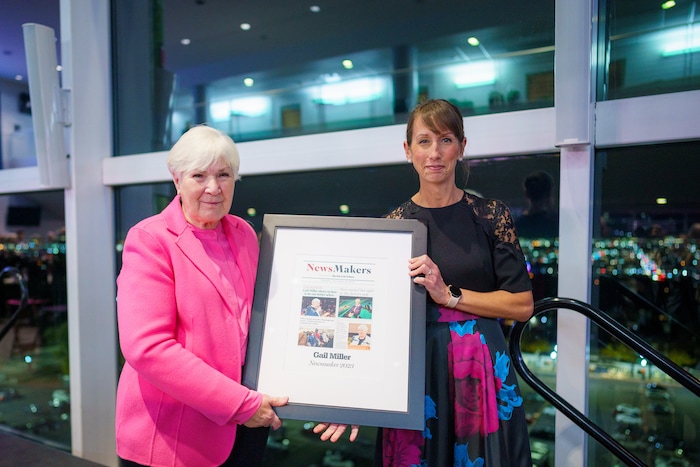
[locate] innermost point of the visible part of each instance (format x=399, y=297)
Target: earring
x=409, y=160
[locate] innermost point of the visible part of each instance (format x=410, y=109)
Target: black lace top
x=473, y=242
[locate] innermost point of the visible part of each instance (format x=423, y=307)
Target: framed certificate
x=337, y=323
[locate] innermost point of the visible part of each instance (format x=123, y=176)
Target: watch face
x=455, y=291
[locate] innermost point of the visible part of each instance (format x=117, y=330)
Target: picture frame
x=337, y=323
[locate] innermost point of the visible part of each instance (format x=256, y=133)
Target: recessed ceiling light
x=19, y=77
x=344, y=208
x=249, y=82
x=185, y=41
x=473, y=41
x=245, y=26
x=668, y=4
x=251, y=212
x=347, y=64
x=661, y=201
x=315, y=8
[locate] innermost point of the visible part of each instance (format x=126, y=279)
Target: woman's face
x=206, y=195
x=434, y=155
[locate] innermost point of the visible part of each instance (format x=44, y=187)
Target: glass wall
x=373, y=192
x=646, y=269
x=651, y=48
x=17, y=147
x=34, y=369
x=158, y=93
x=270, y=86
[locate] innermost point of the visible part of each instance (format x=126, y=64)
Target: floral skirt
x=473, y=408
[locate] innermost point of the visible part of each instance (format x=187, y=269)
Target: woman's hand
x=494, y=304
x=265, y=415
x=334, y=431
x=426, y=273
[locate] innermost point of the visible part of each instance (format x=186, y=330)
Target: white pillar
x=90, y=268
x=573, y=101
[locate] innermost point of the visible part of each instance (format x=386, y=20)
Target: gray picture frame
x=354, y=412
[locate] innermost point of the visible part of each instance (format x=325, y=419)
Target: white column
x=573, y=100
x=85, y=46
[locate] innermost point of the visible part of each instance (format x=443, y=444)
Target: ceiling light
x=251, y=212
x=245, y=26
x=668, y=4
x=330, y=77
x=248, y=82
x=347, y=64
x=344, y=208
x=19, y=77
x=185, y=41
x=254, y=106
x=473, y=41
x=474, y=74
x=350, y=92
x=681, y=40
x=315, y=8
x=661, y=201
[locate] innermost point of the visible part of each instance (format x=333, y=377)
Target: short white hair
x=199, y=148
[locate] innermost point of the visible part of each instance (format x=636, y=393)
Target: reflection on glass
x=653, y=48
x=646, y=270
x=34, y=372
x=361, y=99
x=287, y=194
x=259, y=87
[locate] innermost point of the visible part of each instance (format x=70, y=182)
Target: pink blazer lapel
x=190, y=246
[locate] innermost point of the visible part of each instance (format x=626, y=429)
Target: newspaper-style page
x=337, y=324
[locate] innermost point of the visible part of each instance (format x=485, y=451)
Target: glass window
x=373, y=192
x=34, y=370
x=300, y=72
x=651, y=48
x=17, y=146
x=646, y=273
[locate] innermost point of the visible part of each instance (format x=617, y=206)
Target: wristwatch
x=455, y=296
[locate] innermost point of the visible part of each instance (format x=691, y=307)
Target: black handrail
x=618, y=331
x=22, y=302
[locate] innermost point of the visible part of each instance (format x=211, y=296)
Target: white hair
x=201, y=147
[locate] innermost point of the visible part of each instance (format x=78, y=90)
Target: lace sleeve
x=398, y=213
x=504, y=226
x=498, y=218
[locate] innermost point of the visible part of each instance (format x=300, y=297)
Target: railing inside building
x=630, y=453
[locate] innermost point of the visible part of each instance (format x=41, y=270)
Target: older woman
x=184, y=300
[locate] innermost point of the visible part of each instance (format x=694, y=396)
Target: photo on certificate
x=336, y=310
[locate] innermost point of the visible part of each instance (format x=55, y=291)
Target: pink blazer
x=180, y=390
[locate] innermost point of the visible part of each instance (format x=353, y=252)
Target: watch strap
x=453, y=301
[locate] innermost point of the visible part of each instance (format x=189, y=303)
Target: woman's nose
x=433, y=151
x=213, y=185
